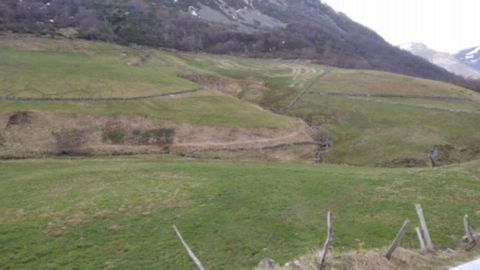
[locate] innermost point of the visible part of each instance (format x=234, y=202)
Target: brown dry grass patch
x=403, y=259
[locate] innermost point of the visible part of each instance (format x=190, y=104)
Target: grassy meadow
x=40, y=67
x=208, y=108
x=291, y=73
x=117, y=213
x=377, y=82
x=367, y=131
x=282, y=79
x=375, y=133
x=74, y=75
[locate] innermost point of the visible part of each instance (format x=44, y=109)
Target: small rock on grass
x=266, y=264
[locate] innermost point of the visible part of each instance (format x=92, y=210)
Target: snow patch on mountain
x=247, y=18
x=193, y=11
x=412, y=46
x=444, y=60
x=470, y=57
x=473, y=52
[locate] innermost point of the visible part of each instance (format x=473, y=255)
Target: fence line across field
x=107, y=99
x=422, y=233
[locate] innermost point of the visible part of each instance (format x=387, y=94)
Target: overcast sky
x=443, y=25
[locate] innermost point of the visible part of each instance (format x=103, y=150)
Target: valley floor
x=118, y=212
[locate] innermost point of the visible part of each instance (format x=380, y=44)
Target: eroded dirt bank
x=30, y=134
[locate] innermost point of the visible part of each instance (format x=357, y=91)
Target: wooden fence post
x=328, y=242
x=420, y=239
x=423, y=224
x=469, y=233
x=192, y=256
x=398, y=239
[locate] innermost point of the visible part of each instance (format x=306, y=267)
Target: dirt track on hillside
x=295, y=137
x=375, y=98
x=306, y=90
x=108, y=99
x=355, y=95
x=85, y=134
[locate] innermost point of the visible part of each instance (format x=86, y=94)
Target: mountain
x=470, y=57
x=444, y=60
x=306, y=29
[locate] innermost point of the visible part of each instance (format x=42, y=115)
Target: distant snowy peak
x=412, y=46
x=447, y=61
x=473, y=53
x=420, y=49
x=470, y=57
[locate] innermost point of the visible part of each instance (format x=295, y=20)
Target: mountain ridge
x=470, y=57
x=445, y=60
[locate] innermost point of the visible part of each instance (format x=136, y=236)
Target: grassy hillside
x=294, y=73
x=374, y=118
x=97, y=71
x=395, y=131
x=90, y=98
x=378, y=133
x=280, y=80
x=209, y=108
x=117, y=212
x=375, y=82
x=46, y=68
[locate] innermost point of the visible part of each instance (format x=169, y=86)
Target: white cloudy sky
x=444, y=25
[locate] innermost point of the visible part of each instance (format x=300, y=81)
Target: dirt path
x=253, y=144
x=355, y=95
x=428, y=107
x=370, y=98
x=108, y=99
x=307, y=89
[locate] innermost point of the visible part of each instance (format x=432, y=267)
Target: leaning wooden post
x=328, y=242
x=398, y=239
x=468, y=229
x=420, y=239
x=469, y=234
x=423, y=224
x=189, y=251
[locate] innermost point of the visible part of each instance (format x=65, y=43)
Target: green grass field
x=117, y=212
x=49, y=74
x=380, y=131
x=283, y=79
x=292, y=73
x=60, y=68
x=375, y=133
x=208, y=108
x=40, y=67
x=376, y=82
